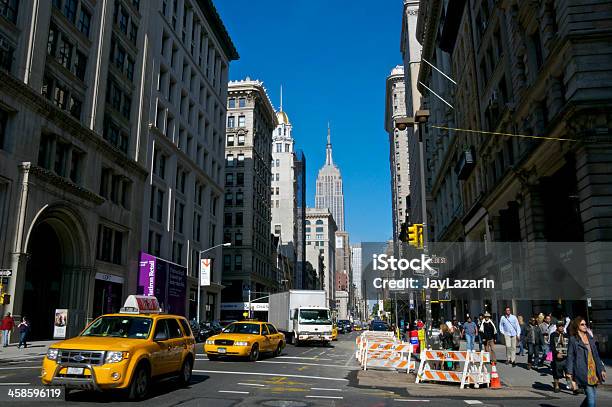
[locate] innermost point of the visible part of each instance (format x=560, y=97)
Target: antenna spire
x=281, y=98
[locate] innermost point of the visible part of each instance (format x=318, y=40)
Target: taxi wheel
x=279, y=349
x=186, y=372
x=254, y=353
x=212, y=357
x=140, y=383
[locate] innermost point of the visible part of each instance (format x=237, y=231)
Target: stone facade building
x=321, y=240
x=248, y=264
x=528, y=69
x=395, y=106
x=185, y=99
x=76, y=148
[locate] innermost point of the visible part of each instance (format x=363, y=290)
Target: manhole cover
x=284, y=403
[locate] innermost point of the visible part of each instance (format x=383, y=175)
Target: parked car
x=226, y=322
x=205, y=330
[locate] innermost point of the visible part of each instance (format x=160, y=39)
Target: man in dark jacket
x=488, y=331
x=558, y=344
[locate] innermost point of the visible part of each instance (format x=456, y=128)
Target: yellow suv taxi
x=124, y=351
x=245, y=339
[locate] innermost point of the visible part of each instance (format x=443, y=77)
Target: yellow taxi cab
x=245, y=339
x=334, y=332
x=124, y=351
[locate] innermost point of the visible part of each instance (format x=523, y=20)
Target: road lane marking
x=299, y=357
x=233, y=391
x=252, y=384
x=418, y=401
x=307, y=364
x=472, y=401
x=324, y=389
x=20, y=367
x=325, y=397
x=349, y=360
x=271, y=374
x=14, y=384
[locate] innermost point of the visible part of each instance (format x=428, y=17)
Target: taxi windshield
x=120, y=327
x=238, y=328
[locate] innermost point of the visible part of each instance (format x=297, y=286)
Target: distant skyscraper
x=329, y=192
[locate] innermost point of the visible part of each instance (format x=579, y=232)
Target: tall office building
x=329, y=192
x=395, y=106
x=76, y=145
x=284, y=189
x=188, y=54
x=321, y=240
x=247, y=264
x=301, y=274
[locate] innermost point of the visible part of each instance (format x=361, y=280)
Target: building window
x=238, y=262
x=240, y=160
x=239, y=199
x=241, y=121
x=277, y=230
x=227, y=219
x=3, y=126
x=70, y=7
x=230, y=141
x=179, y=213
x=159, y=164
x=227, y=262
x=241, y=102
x=230, y=160
x=84, y=21
x=157, y=204
x=110, y=245
x=6, y=55
x=238, y=239
x=154, y=246
x=197, y=226
x=177, y=252
x=231, y=122
x=64, y=54
x=231, y=103
x=8, y=9
x=238, y=218
x=229, y=179
x=229, y=197
x=240, y=140
x=240, y=179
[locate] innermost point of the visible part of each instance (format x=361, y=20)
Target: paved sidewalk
x=35, y=350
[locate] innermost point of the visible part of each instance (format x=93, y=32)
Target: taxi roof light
x=140, y=304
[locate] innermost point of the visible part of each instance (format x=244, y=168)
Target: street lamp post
x=200, y=273
x=260, y=298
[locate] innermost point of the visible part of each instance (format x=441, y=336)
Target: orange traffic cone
x=495, y=382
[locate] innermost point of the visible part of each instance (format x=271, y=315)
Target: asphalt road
x=301, y=376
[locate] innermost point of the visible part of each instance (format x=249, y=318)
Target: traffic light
x=415, y=235
x=5, y=298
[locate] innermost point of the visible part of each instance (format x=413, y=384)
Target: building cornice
x=47, y=110
x=62, y=183
x=427, y=30
x=216, y=24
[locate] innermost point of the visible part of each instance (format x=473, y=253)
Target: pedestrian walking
x=479, y=337
x=456, y=332
x=8, y=323
x=532, y=331
x=547, y=328
x=24, y=330
x=488, y=333
x=509, y=327
x=469, y=331
x=446, y=342
x=558, y=342
x=521, y=342
x=583, y=363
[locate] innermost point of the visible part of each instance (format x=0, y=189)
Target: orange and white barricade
x=366, y=336
x=472, y=370
x=389, y=356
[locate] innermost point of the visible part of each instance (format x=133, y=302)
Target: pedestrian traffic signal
x=415, y=235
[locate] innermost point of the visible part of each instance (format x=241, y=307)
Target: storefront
x=108, y=294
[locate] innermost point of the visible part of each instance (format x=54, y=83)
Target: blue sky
x=332, y=58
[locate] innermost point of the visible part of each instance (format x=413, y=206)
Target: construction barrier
x=371, y=336
x=389, y=356
x=473, y=369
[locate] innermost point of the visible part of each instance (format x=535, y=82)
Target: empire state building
x=329, y=192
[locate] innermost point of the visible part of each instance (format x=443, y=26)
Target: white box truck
x=302, y=315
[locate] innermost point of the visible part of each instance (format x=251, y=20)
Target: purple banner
x=146, y=274
x=164, y=280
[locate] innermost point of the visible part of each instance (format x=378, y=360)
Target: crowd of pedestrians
x=566, y=346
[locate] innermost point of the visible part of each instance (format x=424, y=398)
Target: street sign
x=6, y=272
x=205, y=272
